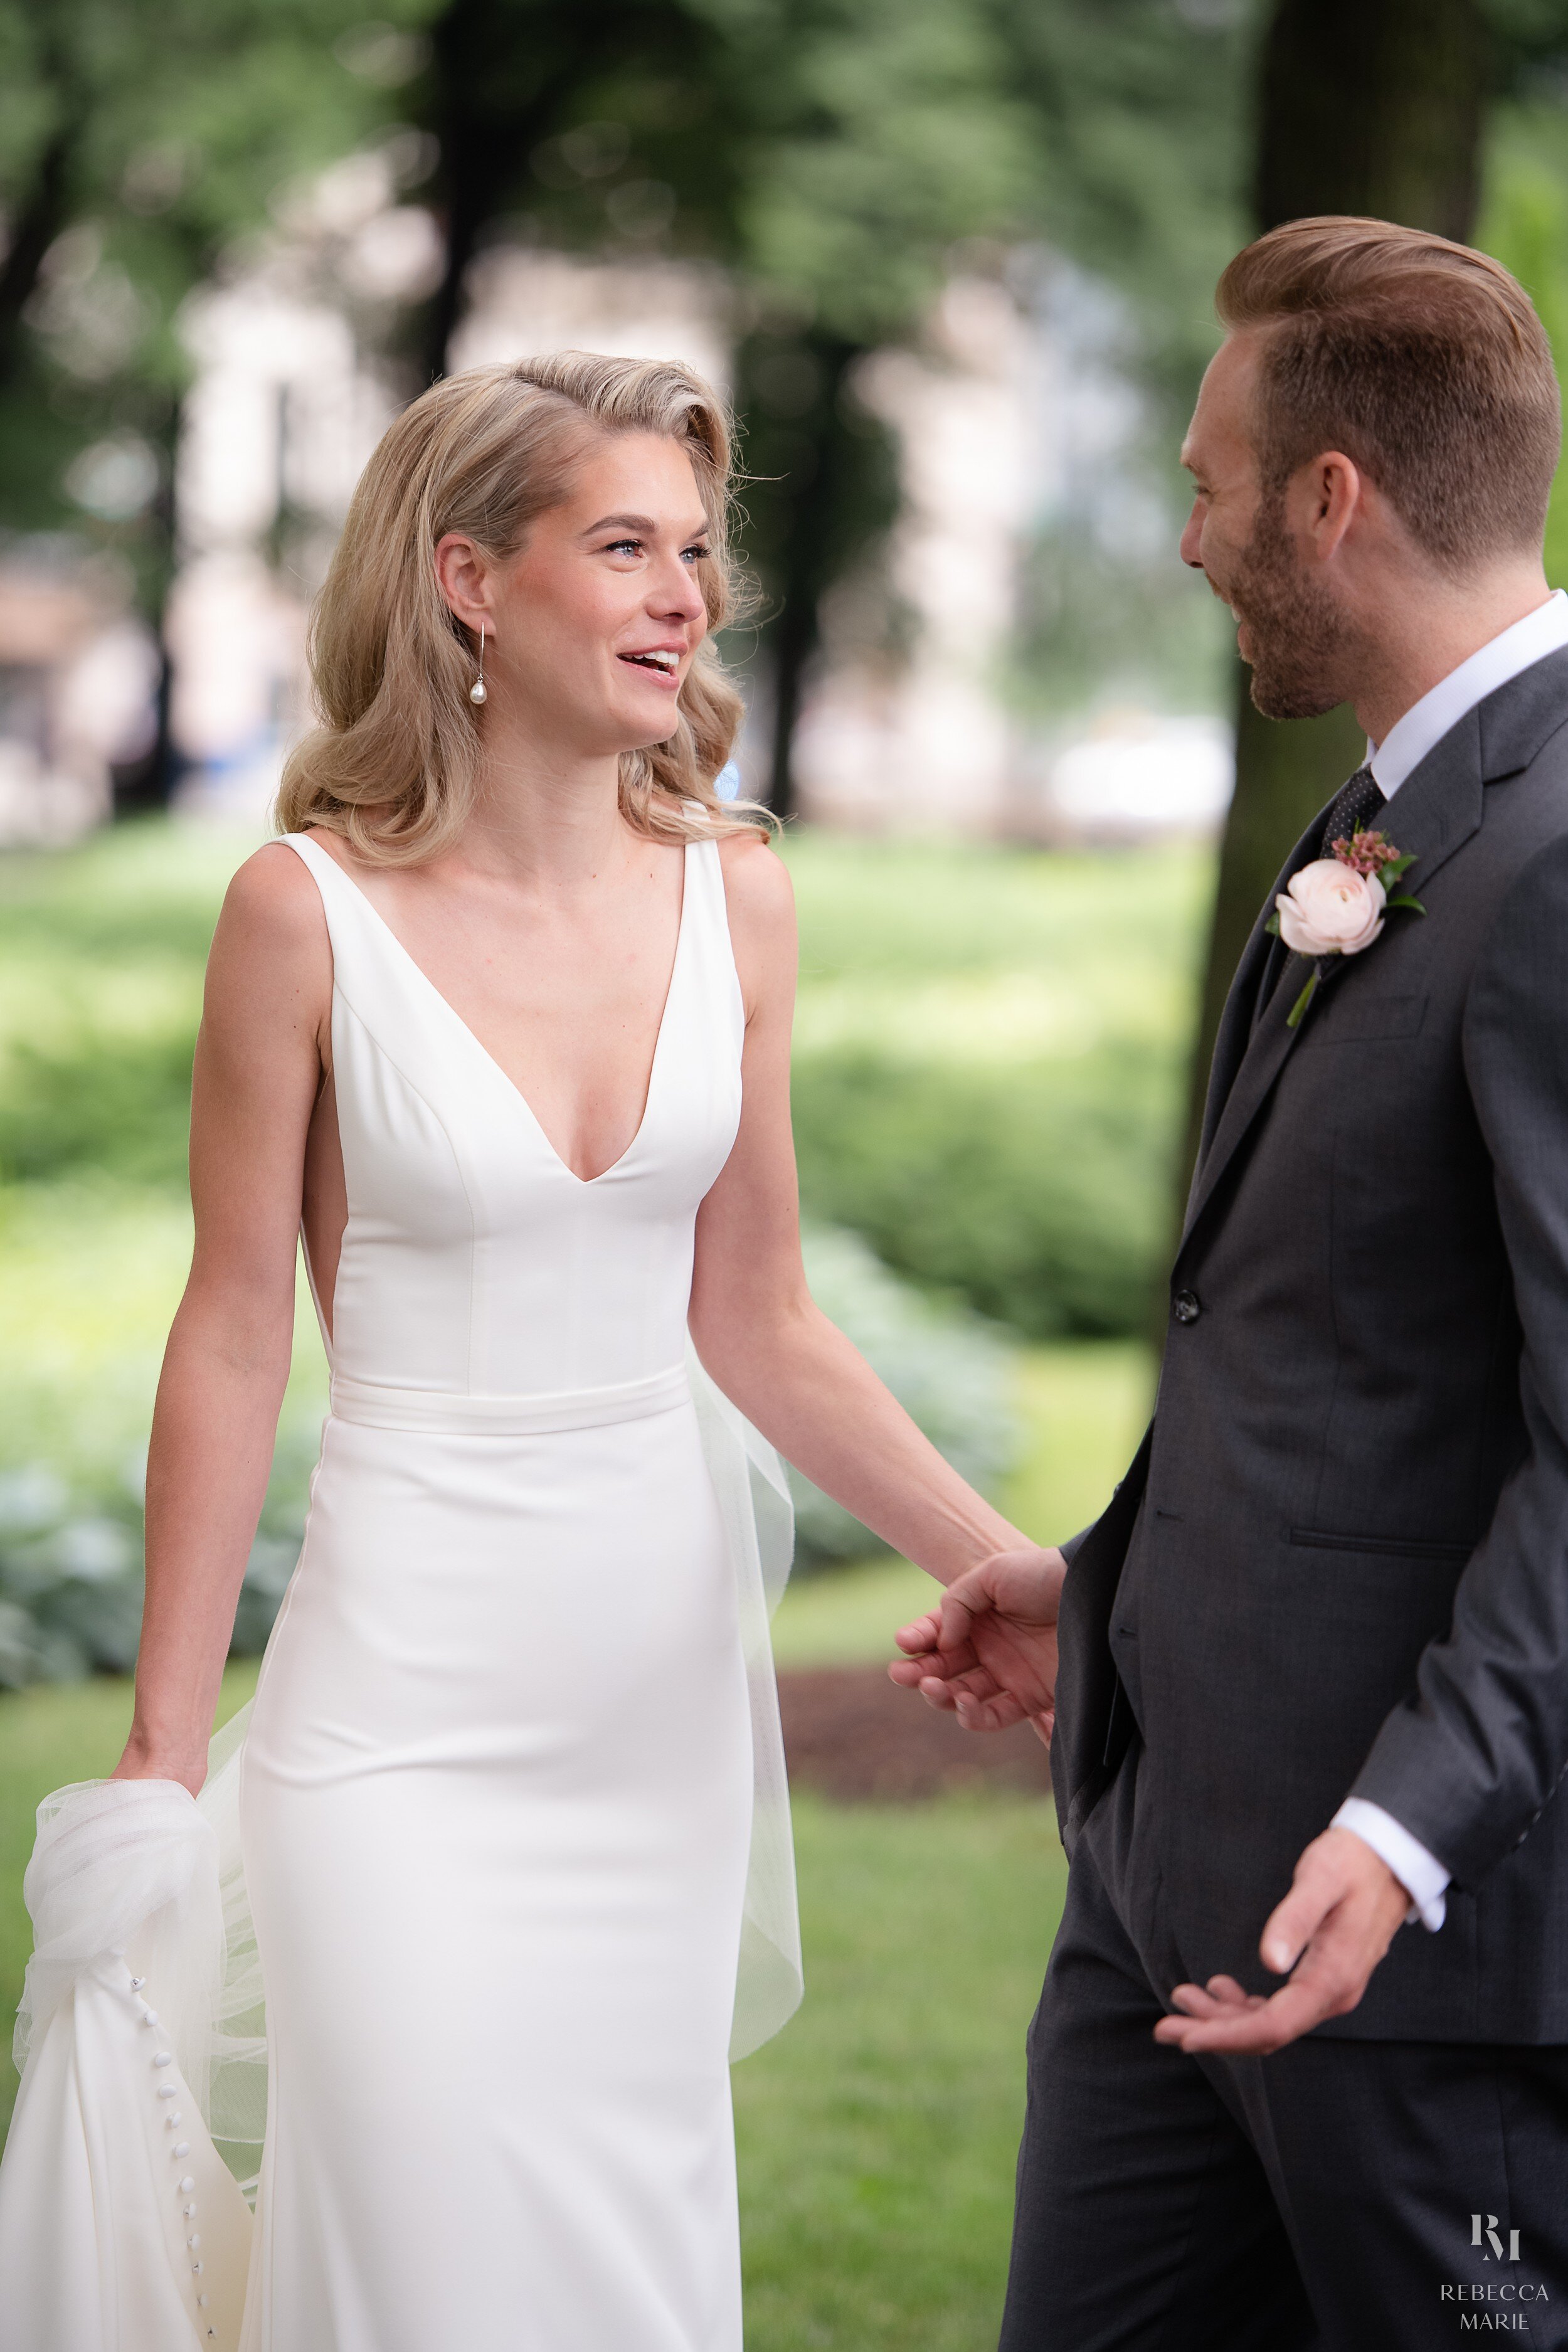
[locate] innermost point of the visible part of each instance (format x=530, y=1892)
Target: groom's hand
x=988, y=1652
x=1344, y=1910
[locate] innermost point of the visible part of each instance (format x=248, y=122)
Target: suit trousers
x=1340, y=2195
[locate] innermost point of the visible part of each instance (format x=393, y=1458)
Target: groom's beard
x=1301, y=643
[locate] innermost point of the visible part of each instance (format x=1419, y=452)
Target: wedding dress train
x=510, y=1811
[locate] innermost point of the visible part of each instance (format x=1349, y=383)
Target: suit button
x=1185, y=1307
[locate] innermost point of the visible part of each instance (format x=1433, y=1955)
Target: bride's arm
x=258, y=1064
x=754, y=1323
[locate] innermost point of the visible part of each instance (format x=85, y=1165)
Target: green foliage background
x=990, y=1054
x=1524, y=223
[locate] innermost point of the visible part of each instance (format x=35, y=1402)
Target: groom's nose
x=1192, y=536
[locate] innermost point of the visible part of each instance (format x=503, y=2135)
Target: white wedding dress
x=509, y=1806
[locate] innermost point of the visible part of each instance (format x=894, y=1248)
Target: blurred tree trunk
x=39, y=220
x=821, y=487
x=1371, y=107
x=806, y=558
x=488, y=110
x=148, y=782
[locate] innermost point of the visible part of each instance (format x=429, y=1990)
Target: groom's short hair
x=1422, y=361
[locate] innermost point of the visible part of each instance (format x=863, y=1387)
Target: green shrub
x=1041, y=1192
x=951, y=1374
x=120, y=1105
x=71, y=1546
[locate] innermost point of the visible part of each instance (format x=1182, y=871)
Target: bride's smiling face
x=591, y=624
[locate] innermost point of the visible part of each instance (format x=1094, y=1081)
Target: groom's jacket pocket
x=1450, y=1555
x=1353, y=1016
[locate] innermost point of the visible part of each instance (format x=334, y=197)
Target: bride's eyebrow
x=640, y=526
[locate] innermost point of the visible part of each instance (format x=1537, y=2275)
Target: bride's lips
x=660, y=663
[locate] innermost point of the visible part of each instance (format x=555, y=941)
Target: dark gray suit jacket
x=1339, y=1561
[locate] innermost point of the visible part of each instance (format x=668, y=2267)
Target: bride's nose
x=677, y=596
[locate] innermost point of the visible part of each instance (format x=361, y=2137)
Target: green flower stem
x=1294, y=1018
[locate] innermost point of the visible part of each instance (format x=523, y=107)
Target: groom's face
x=1288, y=627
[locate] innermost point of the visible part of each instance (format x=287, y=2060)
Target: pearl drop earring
x=476, y=691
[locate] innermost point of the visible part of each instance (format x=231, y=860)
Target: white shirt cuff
x=1420, y=1872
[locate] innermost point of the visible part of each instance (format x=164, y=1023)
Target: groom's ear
x=1329, y=495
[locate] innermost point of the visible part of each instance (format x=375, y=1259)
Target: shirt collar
x=1427, y=722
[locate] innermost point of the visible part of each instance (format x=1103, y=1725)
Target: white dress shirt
x=1403, y=749
x=1425, y=723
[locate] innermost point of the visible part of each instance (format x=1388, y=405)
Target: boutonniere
x=1336, y=905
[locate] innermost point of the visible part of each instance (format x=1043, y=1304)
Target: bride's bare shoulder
x=272, y=910
x=757, y=888
x=760, y=901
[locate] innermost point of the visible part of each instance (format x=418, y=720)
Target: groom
x=1299, y=2070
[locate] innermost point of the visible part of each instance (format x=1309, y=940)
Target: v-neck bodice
x=474, y=1261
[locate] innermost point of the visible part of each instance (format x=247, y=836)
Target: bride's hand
x=141, y=1762
x=988, y=1652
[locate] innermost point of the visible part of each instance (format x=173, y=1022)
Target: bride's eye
x=695, y=554
x=624, y=547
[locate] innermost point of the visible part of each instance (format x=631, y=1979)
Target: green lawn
x=877, y=2131
x=876, y=2135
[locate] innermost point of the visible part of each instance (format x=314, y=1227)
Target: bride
x=502, y=1022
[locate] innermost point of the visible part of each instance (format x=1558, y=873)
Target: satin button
x=187, y=2185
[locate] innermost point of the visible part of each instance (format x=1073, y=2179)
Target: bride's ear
x=462, y=574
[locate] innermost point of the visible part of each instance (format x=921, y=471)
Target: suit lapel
x=1236, y=1025
x=1434, y=814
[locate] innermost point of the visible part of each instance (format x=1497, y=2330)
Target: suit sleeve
x=1469, y=1762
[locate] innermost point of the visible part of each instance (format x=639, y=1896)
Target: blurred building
x=924, y=741
x=1017, y=416
x=523, y=302
x=1014, y=414
x=77, y=672
x=288, y=402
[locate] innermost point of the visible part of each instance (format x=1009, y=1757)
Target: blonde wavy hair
x=392, y=766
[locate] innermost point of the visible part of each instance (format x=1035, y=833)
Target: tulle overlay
x=506, y=1829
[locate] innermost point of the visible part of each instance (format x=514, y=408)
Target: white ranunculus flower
x=1330, y=909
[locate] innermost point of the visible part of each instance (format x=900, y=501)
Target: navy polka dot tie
x=1354, y=802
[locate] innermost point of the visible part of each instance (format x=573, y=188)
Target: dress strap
x=339, y=893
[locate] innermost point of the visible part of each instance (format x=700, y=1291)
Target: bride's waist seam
x=376, y=1405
